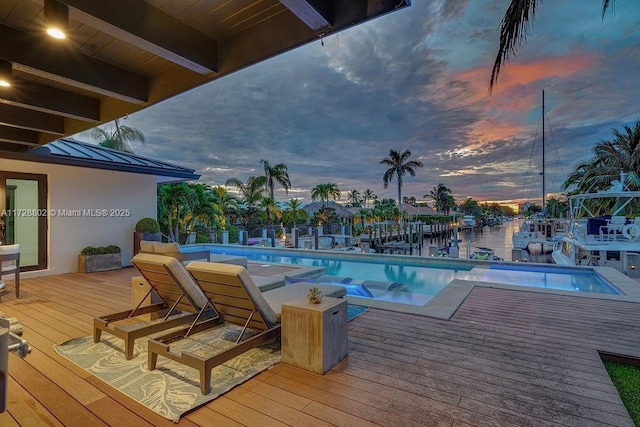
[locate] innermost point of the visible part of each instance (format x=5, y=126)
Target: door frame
x=43, y=220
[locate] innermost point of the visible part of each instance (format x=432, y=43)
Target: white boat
x=611, y=240
x=468, y=221
x=540, y=233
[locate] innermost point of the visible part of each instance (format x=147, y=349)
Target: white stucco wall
x=81, y=191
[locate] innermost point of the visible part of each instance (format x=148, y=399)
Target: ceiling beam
x=18, y=136
x=30, y=119
x=316, y=14
x=47, y=99
x=142, y=25
x=55, y=61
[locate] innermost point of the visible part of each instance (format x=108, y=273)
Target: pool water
x=421, y=283
x=544, y=277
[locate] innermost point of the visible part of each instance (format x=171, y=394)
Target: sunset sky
x=416, y=79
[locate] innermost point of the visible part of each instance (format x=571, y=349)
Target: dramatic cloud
x=416, y=79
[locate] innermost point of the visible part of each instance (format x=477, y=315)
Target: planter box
x=104, y=262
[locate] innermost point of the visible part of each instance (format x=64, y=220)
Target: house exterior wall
x=89, y=207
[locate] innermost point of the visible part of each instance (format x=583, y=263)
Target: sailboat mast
x=543, y=186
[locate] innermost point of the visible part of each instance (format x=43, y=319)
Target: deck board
x=506, y=357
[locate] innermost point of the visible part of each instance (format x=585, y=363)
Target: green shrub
x=233, y=233
x=147, y=225
x=202, y=237
x=101, y=250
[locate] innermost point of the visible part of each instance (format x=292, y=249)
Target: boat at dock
x=540, y=233
x=611, y=240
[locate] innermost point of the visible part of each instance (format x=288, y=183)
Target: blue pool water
x=422, y=282
x=549, y=278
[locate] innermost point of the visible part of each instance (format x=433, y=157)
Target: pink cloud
x=505, y=110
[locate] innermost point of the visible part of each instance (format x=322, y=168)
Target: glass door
x=23, y=216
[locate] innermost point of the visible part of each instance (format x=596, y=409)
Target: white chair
x=10, y=258
x=615, y=225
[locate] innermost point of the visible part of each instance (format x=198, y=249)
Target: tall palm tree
x=354, y=197
x=252, y=191
x=367, y=195
x=120, y=138
x=442, y=199
x=516, y=24
x=276, y=173
x=324, y=192
x=399, y=165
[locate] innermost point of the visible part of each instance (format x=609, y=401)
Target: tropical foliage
x=293, y=213
x=442, y=198
x=276, y=173
x=368, y=195
x=324, y=192
x=399, y=165
x=184, y=207
x=119, y=138
x=515, y=26
x=251, y=192
x=610, y=157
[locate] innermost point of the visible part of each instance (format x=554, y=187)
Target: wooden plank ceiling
x=121, y=56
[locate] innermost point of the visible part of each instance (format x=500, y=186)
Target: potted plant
x=146, y=229
x=315, y=296
x=102, y=258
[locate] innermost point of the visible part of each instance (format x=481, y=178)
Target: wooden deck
x=506, y=358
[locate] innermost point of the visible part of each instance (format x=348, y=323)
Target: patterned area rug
x=172, y=389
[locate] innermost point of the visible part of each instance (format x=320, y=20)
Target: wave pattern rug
x=172, y=389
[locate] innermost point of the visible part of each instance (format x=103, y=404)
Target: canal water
x=498, y=238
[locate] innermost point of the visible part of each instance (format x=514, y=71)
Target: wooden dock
x=505, y=358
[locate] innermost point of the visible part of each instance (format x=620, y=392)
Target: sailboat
x=540, y=233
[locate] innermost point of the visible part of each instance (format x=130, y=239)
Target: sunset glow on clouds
x=416, y=79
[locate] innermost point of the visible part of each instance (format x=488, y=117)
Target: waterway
x=498, y=238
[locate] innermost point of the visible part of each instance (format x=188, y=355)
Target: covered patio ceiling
x=121, y=56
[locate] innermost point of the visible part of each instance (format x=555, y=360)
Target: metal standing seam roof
x=77, y=153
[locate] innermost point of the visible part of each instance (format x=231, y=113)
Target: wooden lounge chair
x=237, y=300
x=182, y=303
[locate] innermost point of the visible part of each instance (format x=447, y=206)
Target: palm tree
x=367, y=195
x=202, y=209
x=276, y=173
x=610, y=157
x=271, y=212
x=119, y=138
x=324, y=191
x=174, y=201
x=442, y=199
x=399, y=165
x=226, y=203
x=354, y=197
x=516, y=24
x=293, y=213
x=252, y=192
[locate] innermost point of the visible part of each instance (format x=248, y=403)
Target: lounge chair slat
x=172, y=284
x=237, y=299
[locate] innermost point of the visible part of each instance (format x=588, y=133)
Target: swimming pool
x=540, y=276
x=424, y=277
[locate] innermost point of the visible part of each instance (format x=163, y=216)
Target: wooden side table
x=314, y=336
